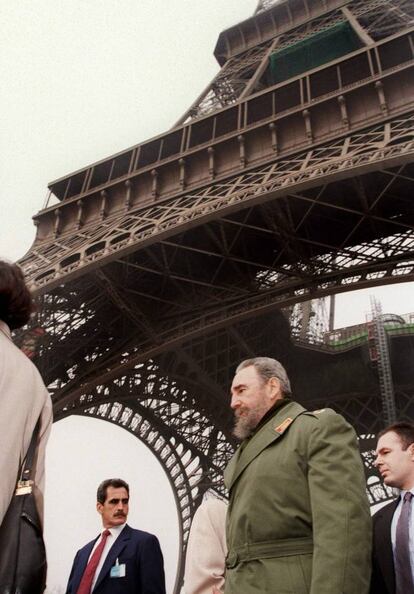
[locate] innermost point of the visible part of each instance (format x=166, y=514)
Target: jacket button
x=232, y=559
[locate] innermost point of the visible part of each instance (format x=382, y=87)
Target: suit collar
x=388, y=510
x=267, y=434
x=84, y=554
x=383, y=543
x=113, y=553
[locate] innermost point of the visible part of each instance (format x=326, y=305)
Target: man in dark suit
x=393, y=546
x=121, y=559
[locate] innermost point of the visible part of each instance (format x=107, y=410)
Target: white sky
x=83, y=79
x=86, y=79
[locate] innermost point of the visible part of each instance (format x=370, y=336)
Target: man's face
x=114, y=510
x=395, y=464
x=251, y=398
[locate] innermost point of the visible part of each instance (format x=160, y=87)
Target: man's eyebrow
x=380, y=450
x=237, y=387
x=114, y=500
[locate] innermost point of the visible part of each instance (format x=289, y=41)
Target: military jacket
x=298, y=519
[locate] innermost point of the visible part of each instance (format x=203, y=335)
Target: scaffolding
x=380, y=358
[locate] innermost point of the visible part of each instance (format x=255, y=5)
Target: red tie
x=89, y=573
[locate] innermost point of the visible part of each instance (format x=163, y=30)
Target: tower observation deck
x=289, y=178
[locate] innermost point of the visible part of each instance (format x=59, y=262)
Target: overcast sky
x=86, y=79
x=83, y=79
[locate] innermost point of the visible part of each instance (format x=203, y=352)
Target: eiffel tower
x=289, y=179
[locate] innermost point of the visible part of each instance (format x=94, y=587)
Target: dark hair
x=116, y=483
x=404, y=430
x=267, y=368
x=15, y=299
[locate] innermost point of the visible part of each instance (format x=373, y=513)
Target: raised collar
x=275, y=408
x=273, y=428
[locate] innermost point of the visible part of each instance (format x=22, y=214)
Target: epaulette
x=319, y=412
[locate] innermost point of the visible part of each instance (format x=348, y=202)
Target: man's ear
x=411, y=450
x=99, y=507
x=276, y=389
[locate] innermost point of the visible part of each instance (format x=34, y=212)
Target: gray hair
x=267, y=368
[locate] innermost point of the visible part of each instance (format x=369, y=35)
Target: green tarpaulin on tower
x=320, y=48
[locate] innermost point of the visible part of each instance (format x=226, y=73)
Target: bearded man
x=298, y=519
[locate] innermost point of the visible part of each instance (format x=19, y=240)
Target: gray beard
x=245, y=425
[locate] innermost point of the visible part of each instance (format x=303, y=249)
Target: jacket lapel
x=82, y=563
x=113, y=553
x=269, y=433
x=383, y=544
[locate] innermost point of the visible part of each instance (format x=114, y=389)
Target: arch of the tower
x=177, y=404
x=161, y=403
x=189, y=470
x=182, y=393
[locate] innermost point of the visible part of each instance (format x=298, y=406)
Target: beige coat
x=206, y=551
x=23, y=398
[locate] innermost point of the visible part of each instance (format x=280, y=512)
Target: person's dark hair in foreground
x=15, y=299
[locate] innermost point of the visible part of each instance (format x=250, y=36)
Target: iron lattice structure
x=160, y=268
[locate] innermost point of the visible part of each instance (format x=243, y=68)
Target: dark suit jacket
x=141, y=553
x=383, y=573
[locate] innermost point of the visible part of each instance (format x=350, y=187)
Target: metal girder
x=238, y=77
x=377, y=149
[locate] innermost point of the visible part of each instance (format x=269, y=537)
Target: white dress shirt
x=394, y=523
x=114, y=533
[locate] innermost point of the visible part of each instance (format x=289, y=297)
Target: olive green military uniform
x=298, y=519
